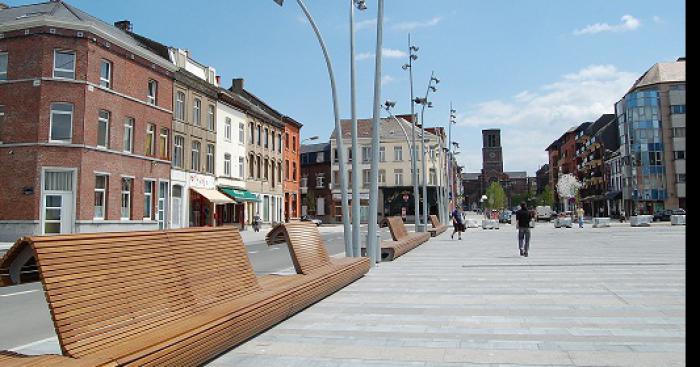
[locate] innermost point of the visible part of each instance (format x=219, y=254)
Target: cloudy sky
x=531, y=68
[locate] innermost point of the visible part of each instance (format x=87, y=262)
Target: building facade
x=292, y=169
x=592, y=144
x=315, y=187
x=85, y=125
x=651, y=119
x=562, y=160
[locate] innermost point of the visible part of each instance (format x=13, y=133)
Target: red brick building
x=85, y=129
x=291, y=153
x=562, y=158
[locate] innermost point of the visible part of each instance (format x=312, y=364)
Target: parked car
x=504, y=217
x=543, y=212
x=665, y=215
x=316, y=221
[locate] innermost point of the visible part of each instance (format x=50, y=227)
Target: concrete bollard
x=601, y=222
x=562, y=222
x=678, y=220
x=641, y=220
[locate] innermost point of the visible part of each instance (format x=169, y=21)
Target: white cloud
x=657, y=19
x=409, y=26
x=628, y=23
x=366, y=24
x=387, y=53
x=533, y=118
x=386, y=79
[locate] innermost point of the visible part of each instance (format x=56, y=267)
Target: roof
x=662, y=72
x=602, y=121
x=311, y=148
x=516, y=174
x=389, y=128
x=470, y=176
x=61, y=14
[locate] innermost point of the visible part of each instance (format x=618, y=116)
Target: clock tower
x=492, y=156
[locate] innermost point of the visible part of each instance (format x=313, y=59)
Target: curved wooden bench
x=403, y=241
x=162, y=298
x=438, y=228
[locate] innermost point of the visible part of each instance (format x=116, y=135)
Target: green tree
x=496, y=196
x=310, y=203
x=546, y=197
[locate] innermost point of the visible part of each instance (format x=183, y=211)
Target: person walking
x=579, y=212
x=457, y=223
x=523, y=218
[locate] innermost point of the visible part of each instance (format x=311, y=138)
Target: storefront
x=203, y=205
x=236, y=213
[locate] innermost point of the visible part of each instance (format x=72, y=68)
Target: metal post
x=450, y=174
x=355, y=156
x=414, y=165
x=372, y=228
x=422, y=144
x=347, y=231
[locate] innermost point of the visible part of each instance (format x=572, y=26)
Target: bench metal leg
x=20, y=260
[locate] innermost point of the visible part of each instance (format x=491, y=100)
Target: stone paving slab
x=585, y=297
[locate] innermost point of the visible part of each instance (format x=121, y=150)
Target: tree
x=568, y=187
x=546, y=197
x=310, y=203
x=496, y=196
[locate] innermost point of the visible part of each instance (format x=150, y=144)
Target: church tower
x=492, y=156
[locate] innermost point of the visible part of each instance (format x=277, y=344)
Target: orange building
x=292, y=169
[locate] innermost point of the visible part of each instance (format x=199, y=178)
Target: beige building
x=395, y=178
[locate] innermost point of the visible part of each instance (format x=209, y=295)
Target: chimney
x=237, y=85
x=3, y=6
x=681, y=59
x=124, y=25
x=218, y=80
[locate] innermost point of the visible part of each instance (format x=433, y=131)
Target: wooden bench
x=403, y=241
x=438, y=228
x=163, y=298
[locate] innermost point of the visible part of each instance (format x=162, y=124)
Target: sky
x=530, y=68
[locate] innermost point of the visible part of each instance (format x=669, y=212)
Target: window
x=227, y=165
x=398, y=154
x=366, y=177
x=349, y=154
x=398, y=177
x=267, y=143
x=227, y=129
x=272, y=144
x=680, y=178
x=180, y=106
x=3, y=65
x=100, y=196
x=267, y=169
x=149, y=188
x=127, y=184
x=655, y=159
x=675, y=109
x=279, y=139
x=286, y=169
x=294, y=143
x=178, y=152
x=679, y=132
x=366, y=154
x=197, y=112
x=251, y=165
x=210, y=158
x=259, y=135
x=679, y=154
x=432, y=177
x=241, y=167
x=129, y=135
x=382, y=154
x=150, y=139
x=64, y=64
x=258, y=165
x=61, y=122
x=196, y=148
x=103, y=130
x=210, y=118
x=241, y=133
x=252, y=133
x=279, y=172
x=294, y=171
x=2, y=119
x=163, y=143
x=286, y=140
x=382, y=176
x=105, y=74
x=153, y=92
x=320, y=181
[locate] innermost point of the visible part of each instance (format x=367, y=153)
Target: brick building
x=292, y=205
x=562, y=159
x=315, y=192
x=86, y=125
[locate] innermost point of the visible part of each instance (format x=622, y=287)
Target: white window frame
x=241, y=133
x=398, y=154
x=3, y=73
x=151, y=132
x=241, y=167
x=164, y=140
x=104, y=191
x=180, y=105
x=211, y=150
x=61, y=70
x=211, y=122
x=106, y=82
x=195, y=165
x=105, y=121
x=148, y=199
x=227, y=129
x=227, y=165
x=128, y=135
x=52, y=112
x=152, y=97
x=127, y=193
x=382, y=154
x=197, y=112
x=181, y=148
x=398, y=177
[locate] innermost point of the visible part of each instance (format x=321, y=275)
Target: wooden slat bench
x=162, y=298
x=438, y=228
x=403, y=241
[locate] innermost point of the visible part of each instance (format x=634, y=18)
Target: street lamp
x=451, y=145
x=360, y=5
x=425, y=103
x=338, y=133
x=414, y=166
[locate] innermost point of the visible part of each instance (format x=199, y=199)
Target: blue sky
x=531, y=68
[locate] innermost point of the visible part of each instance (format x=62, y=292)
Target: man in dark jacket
x=523, y=217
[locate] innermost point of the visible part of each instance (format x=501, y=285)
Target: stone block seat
x=168, y=298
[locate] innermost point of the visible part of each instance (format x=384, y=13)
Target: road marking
x=25, y=346
x=274, y=249
x=18, y=293
x=253, y=252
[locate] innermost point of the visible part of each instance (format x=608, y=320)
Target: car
x=544, y=212
x=316, y=221
x=665, y=215
x=504, y=217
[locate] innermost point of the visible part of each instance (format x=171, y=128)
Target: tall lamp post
x=347, y=231
x=414, y=167
x=450, y=174
x=360, y=5
x=425, y=103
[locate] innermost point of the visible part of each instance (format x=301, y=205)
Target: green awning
x=239, y=194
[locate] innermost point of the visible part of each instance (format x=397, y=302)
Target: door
x=162, y=205
x=57, y=202
x=177, y=207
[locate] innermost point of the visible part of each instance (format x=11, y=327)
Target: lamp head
x=414, y=48
x=414, y=57
x=433, y=88
x=430, y=104
x=389, y=104
x=436, y=80
x=360, y=4
x=405, y=66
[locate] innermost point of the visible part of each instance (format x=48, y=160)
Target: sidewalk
x=584, y=297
